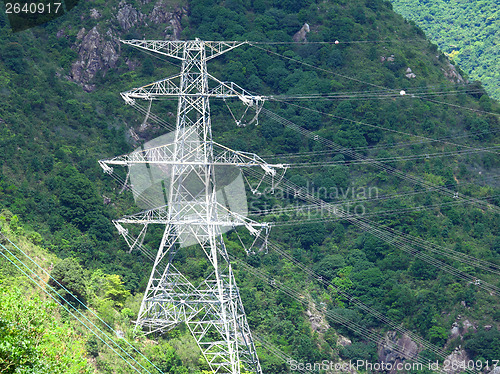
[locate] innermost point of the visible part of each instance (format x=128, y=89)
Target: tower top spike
x=176, y=48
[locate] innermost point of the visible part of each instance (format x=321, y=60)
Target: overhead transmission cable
x=353, y=300
x=315, y=67
x=393, y=158
x=337, y=318
x=348, y=152
x=370, y=95
x=357, y=200
x=363, y=124
x=400, y=240
x=432, y=247
x=28, y=269
x=461, y=257
x=361, y=81
x=376, y=147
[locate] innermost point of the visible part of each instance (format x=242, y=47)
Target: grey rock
x=457, y=359
x=300, y=36
x=94, y=53
x=467, y=325
x=343, y=341
x=455, y=331
x=408, y=348
x=81, y=34
x=128, y=16
x=163, y=13
x=451, y=73
x=95, y=14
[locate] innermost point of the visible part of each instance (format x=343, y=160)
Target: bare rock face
x=300, y=36
x=94, y=53
x=467, y=325
x=318, y=322
x=95, y=14
x=128, y=16
x=99, y=50
x=457, y=359
x=409, y=74
x=343, y=341
x=407, y=347
x=81, y=34
x=163, y=14
x=455, y=330
x=452, y=74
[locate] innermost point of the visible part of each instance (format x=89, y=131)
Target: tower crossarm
x=230, y=89
x=175, y=48
x=245, y=159
x=169, y=87
x=163, y=155
x=160, y=216
x=164, y=87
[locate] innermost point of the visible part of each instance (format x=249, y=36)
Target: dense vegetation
x=466, y=30
x=52, y=133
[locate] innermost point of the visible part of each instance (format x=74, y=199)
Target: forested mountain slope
x=467, y=31
x=381, y=92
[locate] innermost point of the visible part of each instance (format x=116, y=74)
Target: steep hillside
x=389, y=128
x=466, y=30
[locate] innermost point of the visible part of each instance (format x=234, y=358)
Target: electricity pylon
x=186, y=167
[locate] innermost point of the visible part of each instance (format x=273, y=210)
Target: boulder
x=300, y=36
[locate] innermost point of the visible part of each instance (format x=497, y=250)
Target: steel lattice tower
x=188, y=166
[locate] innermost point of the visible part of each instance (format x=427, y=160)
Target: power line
x=361, y=81
x=351, y=325
x=379, y=165
x=402, y=241
x=74, y=308
x=392, y=159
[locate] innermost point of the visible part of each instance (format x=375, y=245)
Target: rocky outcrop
x=127, y=16
x=391, y=58
x=407, y=349
x=343, y=341
x=451, y=73
x=455, y=330
x=300, y=36
x=96, y=52
x=409, y=73
x=99, y=51
x=162, y=13
x=95, y=14
x=468, y=326
x=317, y=319
x=456, y=361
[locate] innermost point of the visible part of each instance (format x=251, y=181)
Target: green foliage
x=52, y=133
x=108, y=287
x=69, y=279
x=360, y=351
x=33, y=340
x=466, y=31
x=484, y=344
